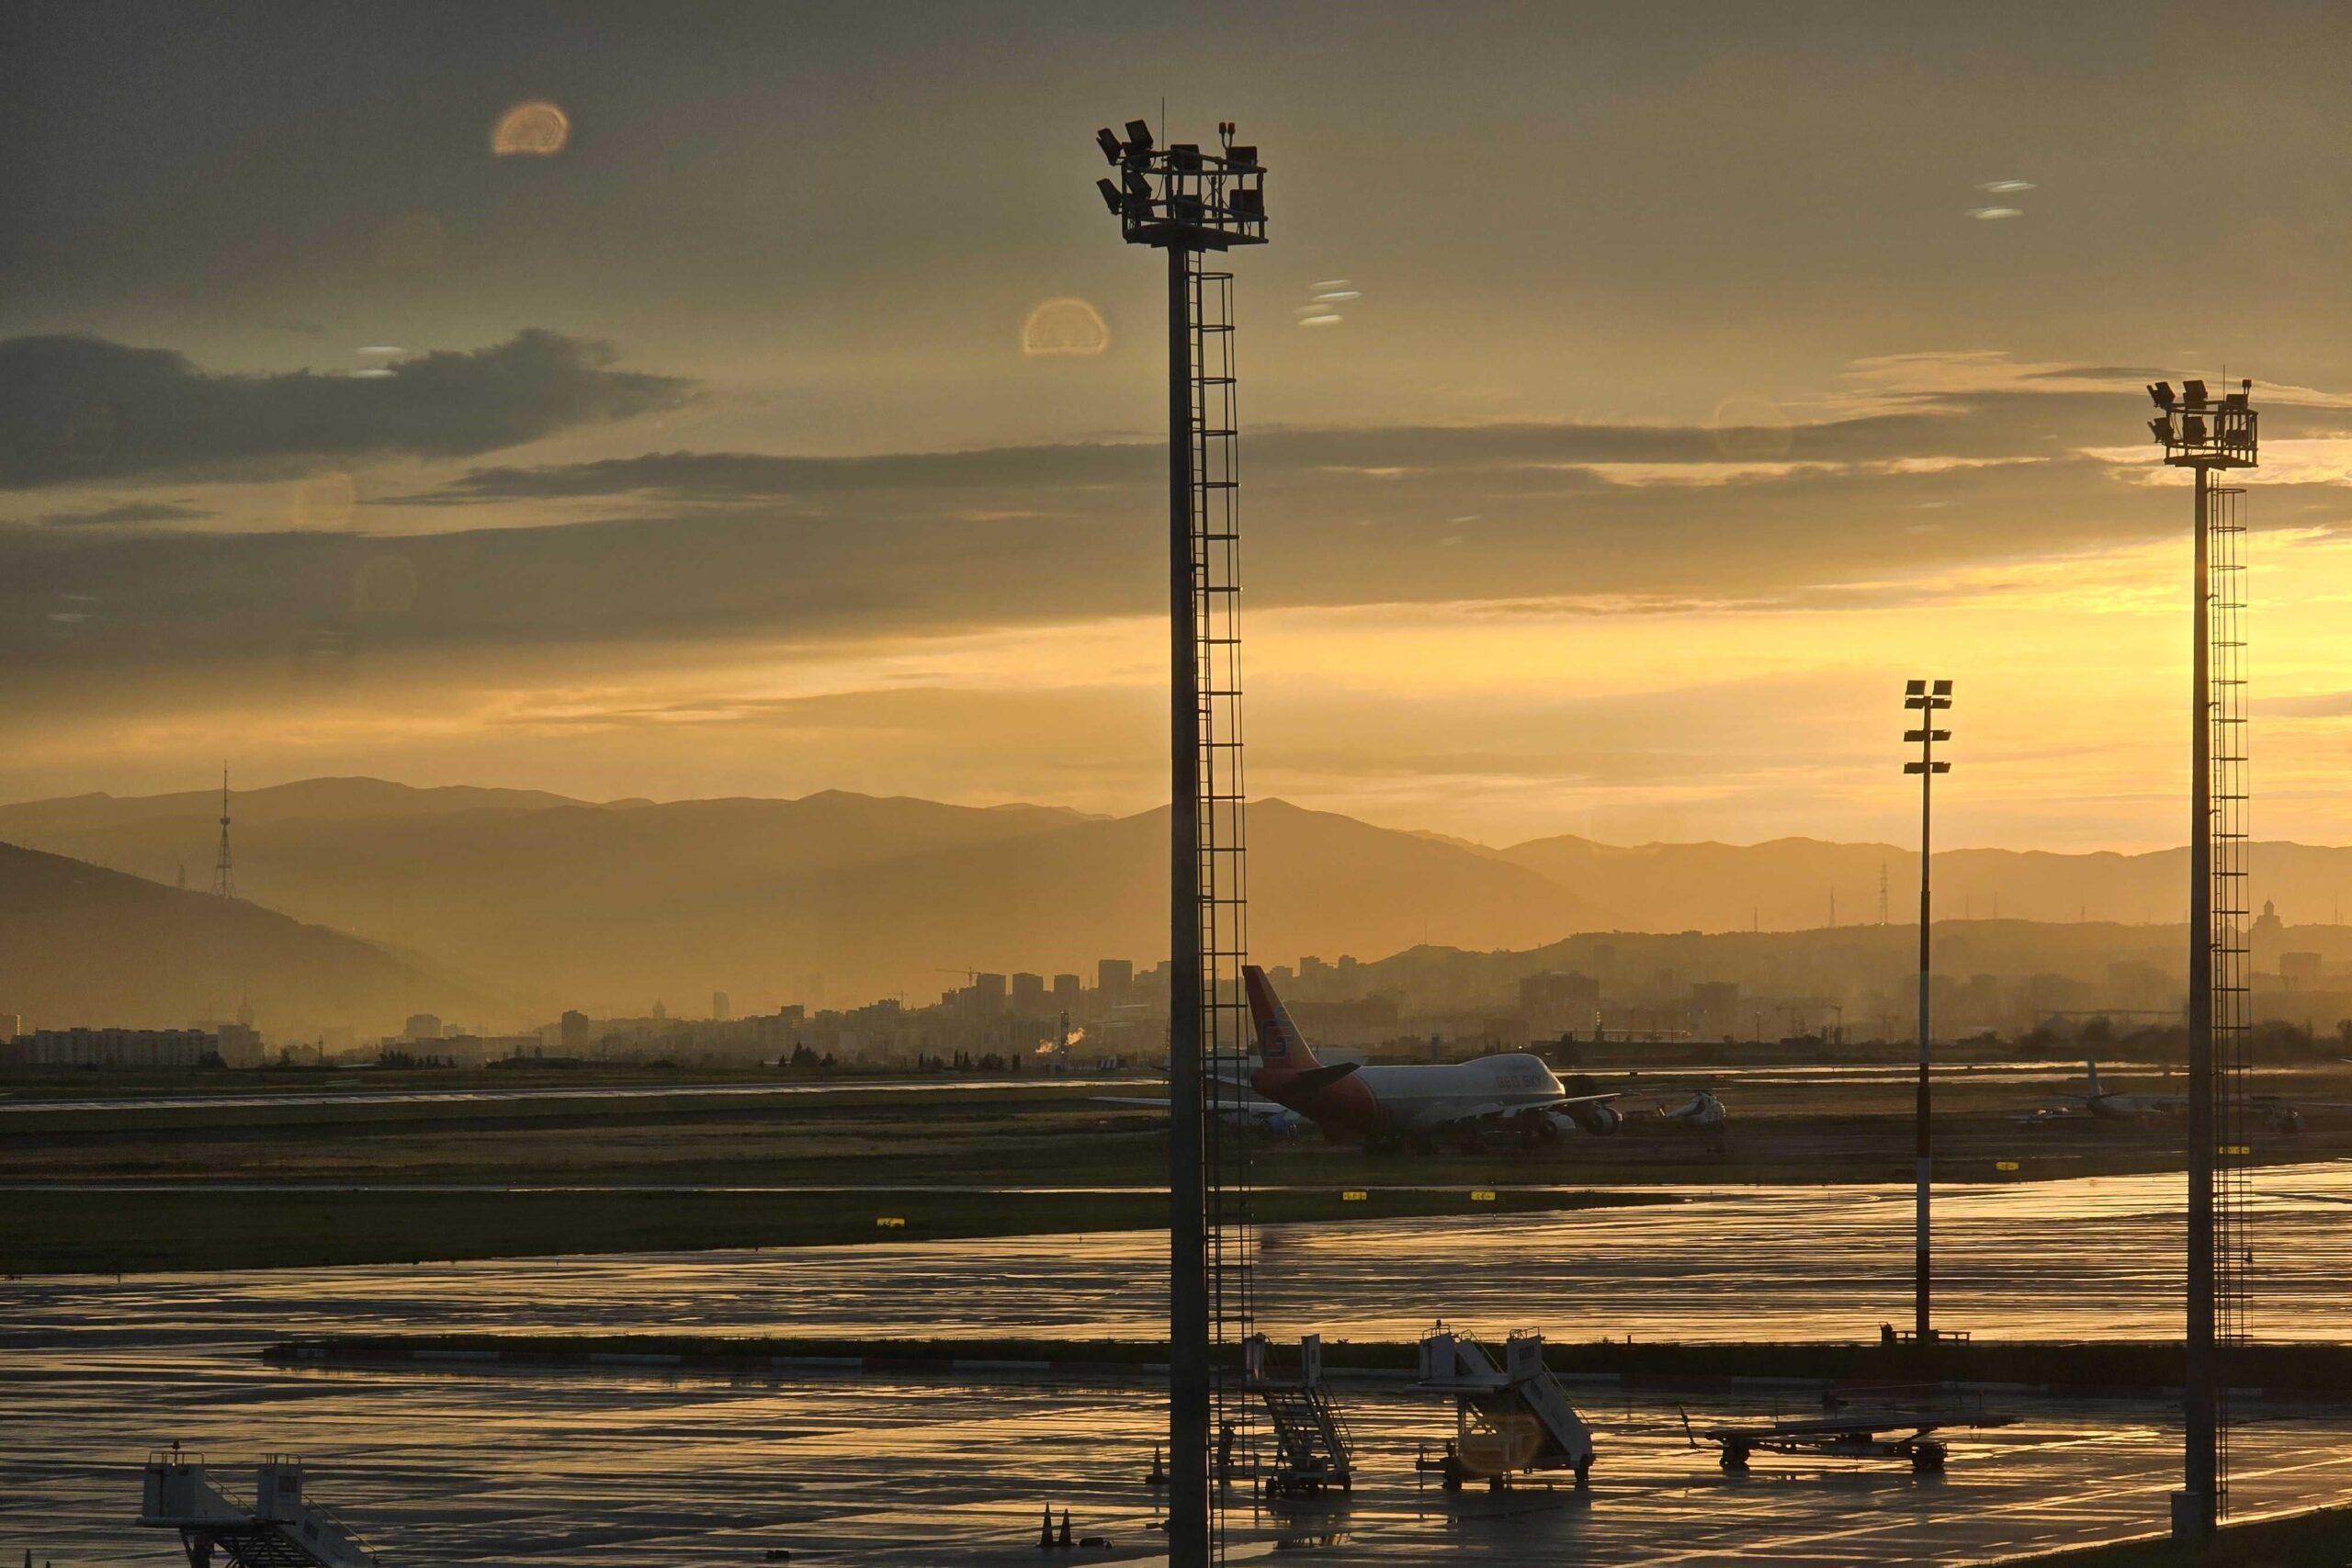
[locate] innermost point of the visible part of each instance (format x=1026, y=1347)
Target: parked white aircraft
x=2109, y=1106
x=2276, y=1115
x=1413, y=1104
x=1701, y=1110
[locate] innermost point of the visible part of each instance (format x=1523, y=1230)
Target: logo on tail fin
x=1279, y=1043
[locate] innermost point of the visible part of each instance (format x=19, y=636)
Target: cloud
x=79, y=409
x=129, y=514
x=676, y=547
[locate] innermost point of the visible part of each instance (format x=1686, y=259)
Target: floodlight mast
x=2200, y=433
x=1187, y=201
x=1926, y=697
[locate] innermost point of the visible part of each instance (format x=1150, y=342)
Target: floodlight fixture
x=2160, y=426
x=1915, y=688
x=2159, y=392
x=2192, y=392
x=1111, y=198
x=1184, y=198
x=1943, y=688
x=2192, y=430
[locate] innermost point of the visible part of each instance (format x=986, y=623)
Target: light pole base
x=2192, y=1515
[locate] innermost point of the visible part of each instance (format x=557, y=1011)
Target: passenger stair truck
x=1515, y=1420
x=280, y=1530
x=1313, y=1448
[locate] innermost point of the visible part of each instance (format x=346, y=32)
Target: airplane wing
x=1264, y=1111
x=1437, y=1121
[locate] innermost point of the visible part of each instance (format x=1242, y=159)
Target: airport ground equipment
x=1886, y=1431
x=282, y=1529
x=1314, y=1451
x=1511, y=1420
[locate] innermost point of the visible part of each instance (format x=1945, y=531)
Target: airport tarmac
x=602, y=1470
x=2096, y=1257
x=802, y=1089
x=588, y=1470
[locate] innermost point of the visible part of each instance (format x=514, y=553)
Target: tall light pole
x=1189, y=202
x=1927, y=698
x=2202, y=434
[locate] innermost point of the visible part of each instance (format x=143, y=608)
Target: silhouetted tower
x=2203, y=434
x=222, y=885
x=1881, y=892
x=1927, y=698
x=1189, y=202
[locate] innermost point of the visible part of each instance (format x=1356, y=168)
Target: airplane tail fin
x=1279, y=1043
x=2092, y=1068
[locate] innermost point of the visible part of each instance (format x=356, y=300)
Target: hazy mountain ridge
x=833, y=897
x=1788, y=883
x=837, y=898
x=82, y=944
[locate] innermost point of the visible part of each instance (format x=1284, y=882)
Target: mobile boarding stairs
x=280, y=1530
x=1511, y=1420
x=1313, y=1450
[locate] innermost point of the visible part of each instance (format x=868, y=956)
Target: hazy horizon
x=1943, y=845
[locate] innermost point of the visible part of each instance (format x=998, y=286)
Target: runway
x=2095, y=1258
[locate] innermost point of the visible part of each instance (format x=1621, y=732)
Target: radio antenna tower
x=222, y=885
x=1188, y=202
x=2203, y=434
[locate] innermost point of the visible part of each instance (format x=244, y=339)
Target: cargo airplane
x=1414, y=1105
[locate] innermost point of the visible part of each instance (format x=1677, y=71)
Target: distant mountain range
x=830, y=898
x=80, y=944
x=837, y=898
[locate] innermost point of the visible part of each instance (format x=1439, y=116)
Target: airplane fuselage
x=1410, y=1101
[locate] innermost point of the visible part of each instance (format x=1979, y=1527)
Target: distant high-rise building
x=1028, y=993
x=1556, y=1001
x=573, y=1032
x=988, y=993
x=1066, y=991
x=721, y=1009
x=421, y=1026
x=1116, y=979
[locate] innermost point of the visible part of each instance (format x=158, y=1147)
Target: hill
x=1791, y=884
x=81, y=944
x=832, y=897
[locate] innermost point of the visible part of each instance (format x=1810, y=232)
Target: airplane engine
x=1599, y=1120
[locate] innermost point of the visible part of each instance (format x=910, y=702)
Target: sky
x=677, y=400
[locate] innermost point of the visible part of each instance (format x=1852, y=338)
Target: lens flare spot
x=1064, y=326
x=534, y=129
x=1750, y=428
x=323, y=499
